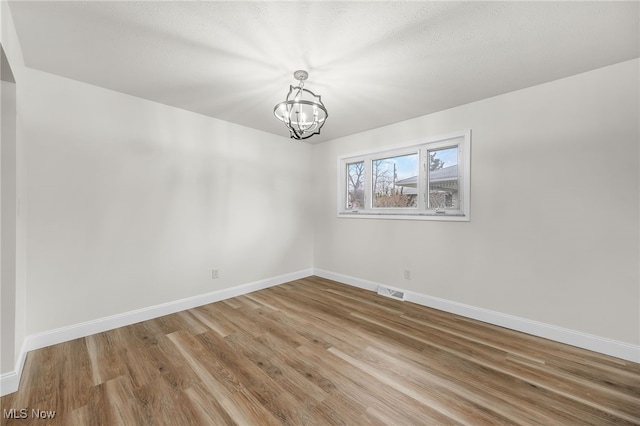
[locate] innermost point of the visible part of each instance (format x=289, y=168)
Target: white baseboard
x=579, y=339
x=346, y=279
x=9, y=381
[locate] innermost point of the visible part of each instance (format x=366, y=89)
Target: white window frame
x=422, y=212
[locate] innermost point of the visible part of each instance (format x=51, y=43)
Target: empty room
x=320, y=212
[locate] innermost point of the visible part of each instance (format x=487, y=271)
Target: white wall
x=554, y=230
x=12, y=193
x=8, y=224
x=133, y=203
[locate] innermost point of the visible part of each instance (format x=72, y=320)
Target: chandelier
x=302, y=111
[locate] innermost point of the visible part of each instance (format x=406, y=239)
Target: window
x=355, y=185
x=428, y=180
x=386, y=173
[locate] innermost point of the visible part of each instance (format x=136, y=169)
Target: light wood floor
x=317, y=352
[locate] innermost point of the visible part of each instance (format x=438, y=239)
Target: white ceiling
x=373, y=63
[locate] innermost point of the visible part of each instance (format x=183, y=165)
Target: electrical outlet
x=215, y=273
x=407, y=274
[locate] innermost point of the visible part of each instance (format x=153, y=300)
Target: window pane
x=395, y=181
x=355, y=186
x=443, y=179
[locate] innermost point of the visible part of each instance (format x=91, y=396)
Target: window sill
x=450, y=217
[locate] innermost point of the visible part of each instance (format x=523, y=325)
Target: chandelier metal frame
x=302, y=112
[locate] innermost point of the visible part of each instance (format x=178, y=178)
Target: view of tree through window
x=443, y=179
x=355, y=185
x=394, y=181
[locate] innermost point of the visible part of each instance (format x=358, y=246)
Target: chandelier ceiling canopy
x=302, y=111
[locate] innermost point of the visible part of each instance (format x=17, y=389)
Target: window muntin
x=428, y=180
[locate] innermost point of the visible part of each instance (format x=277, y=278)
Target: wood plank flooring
x=317, y=352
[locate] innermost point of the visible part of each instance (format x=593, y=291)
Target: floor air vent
x=390, y=292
